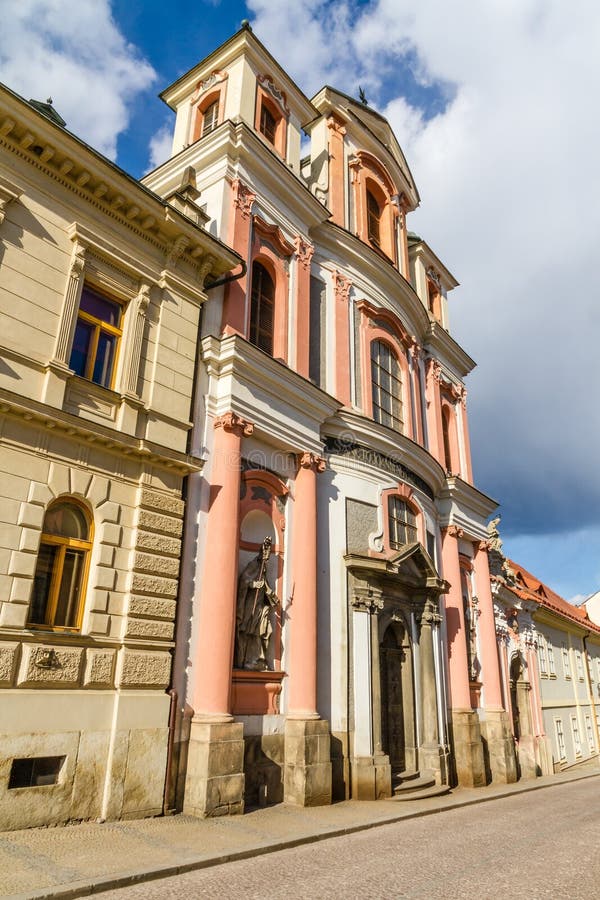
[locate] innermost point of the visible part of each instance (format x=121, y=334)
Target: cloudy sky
x=495, y=104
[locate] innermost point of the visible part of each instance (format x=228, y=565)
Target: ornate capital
x=77, y=260
x=367, y=601
x=430, y=615
x=462, y=396
x=341, y=286
x=433, y=369
x=336, y=125
x=232, y=422
x=304, y=252
x=454, y=531
x=143, y=298
x=311, y=461
x=415, y=351
x=243, y=198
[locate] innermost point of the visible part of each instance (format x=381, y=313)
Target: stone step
x=435, y=790
x=415, y=784
x=407, y=775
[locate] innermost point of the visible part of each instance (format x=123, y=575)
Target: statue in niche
x=255, y=600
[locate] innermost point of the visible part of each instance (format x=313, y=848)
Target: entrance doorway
x=397, y=705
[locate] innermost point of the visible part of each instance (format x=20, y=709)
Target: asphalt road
x=539, y=844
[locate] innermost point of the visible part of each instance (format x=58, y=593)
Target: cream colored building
x=101, y=288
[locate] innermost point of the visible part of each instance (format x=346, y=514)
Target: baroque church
x=242, y=557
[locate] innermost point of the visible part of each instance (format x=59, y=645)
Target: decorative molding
x=273, y=233
x=8, y=194
x=341, y=286
x=336, y=125
x=216, y=77
x=454, y=531
x=267, y=83
x=304, y=252
x=243, y=198
x=360, y=453
x=230, y=421
x=311, y=461
x=367, y=600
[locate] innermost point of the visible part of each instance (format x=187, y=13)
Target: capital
x=454, y=531
x=311, y=461
x=231, y=422
x=304, y=252
x=341, y=286
x=243, y=198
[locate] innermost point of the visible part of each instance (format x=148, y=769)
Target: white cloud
x=510, y=201
x=161, y=144
x=74, y=53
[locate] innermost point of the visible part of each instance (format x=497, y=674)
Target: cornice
x=68, y=161
x=349, y=427
x=35, y=413
x=253, y=385
x=442, y=345
x=250, y=159
x=369, y=272
x=465, y=506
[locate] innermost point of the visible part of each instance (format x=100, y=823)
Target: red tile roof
x=528, y=587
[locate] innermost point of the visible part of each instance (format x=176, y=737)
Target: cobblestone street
x=534, y=845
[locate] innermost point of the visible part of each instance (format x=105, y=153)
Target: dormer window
x=268, y=123
x=373, y=219
x=210, y=117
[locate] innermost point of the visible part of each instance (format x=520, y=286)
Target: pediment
x=411, y=566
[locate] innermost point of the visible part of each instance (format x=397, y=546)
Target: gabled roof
x=528, y=587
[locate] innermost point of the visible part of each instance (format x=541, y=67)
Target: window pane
x=268, y=124
x=262, y=308
x=386, y=385
x=100, y=307
x=66, y=520
x=210, y=118
x=41, y=583
x=70, y=589
x=81, y=347
x=105, y=356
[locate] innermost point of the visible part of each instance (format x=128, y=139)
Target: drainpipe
x=232, y=276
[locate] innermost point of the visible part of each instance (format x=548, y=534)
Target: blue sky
x=491, y=104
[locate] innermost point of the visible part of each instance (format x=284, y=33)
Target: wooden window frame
x=280, y=115
x=560, y=738
x=202, y=107
x=65, y=543
x=99, y=326
x=257, y=296
x=394, y=500
x=404, y=493
x=394, y=417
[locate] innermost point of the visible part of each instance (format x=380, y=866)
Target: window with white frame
x=576, y=737
x=566, y=661
x=542, y=657
x=579, y=663
x=560, y=739
x=551, y=663
x=590, y=733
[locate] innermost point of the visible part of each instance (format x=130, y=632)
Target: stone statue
x=494, y=540
x=255, y=600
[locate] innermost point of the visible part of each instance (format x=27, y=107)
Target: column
x=304, y=253
x=307, y=769
x=418, y=436
x=468, y=474
x=234, y=303
x=341, y=290
x=466, y=733
x=497, y=728
x=215, y=769
x=434, y=409
x=337, y=178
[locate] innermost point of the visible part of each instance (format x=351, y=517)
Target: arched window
x=402, y=523
x=373, y=218
x=446, y=438
x=262, y=308
x=386, y=385
x=62, y=566
x=210, y=117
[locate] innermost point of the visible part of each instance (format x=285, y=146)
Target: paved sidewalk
x=79, y=860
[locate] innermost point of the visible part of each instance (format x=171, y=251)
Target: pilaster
x=341, y=290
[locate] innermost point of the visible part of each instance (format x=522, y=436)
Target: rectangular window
x=598, y=667
x=576, y=738
x=560, y=739
x=542, y=657
x=565, y=660
x=97, y=335
x=402, y=523
x=590, y=733
x=268, y=123
x=35, y=771
x=317, y=351
x=579, y=663
x=551, y=665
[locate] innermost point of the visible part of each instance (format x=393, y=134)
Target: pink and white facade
x=331, y=415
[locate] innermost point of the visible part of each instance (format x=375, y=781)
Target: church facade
x=336, y=630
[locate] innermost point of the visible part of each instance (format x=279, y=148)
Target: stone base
x=500, y=747
x=214, y=783
x=543, y=755
x=371, y=778
x=434, y=759
x=527, y=757
x=307, y=768
x=468, y=750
